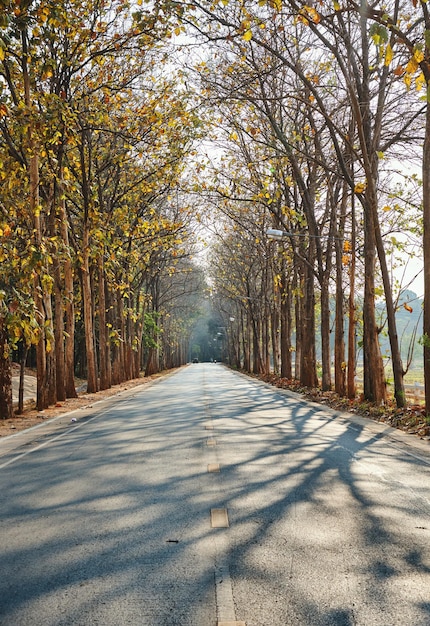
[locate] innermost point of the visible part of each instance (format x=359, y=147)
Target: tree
x=77, y=77
x=329, y=27
x=409, y=30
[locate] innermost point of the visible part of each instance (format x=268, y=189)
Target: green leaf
x=379, y=34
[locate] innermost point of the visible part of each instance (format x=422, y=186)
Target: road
x=210, y=498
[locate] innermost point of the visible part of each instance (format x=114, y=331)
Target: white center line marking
x=214, y=467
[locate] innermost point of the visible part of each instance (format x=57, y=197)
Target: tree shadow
x=119, y=531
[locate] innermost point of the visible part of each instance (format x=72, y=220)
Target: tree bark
x=103, y=330
x=59, y=334
x=286, y=329
x=6, y=407
x=246, y=339
x=339, y=331
x=68, y=298
x=298, y=315
x=426, y=249
x=374, y=377
x=308, y=371
x=22, y=379
x=325, y=333
x=92, y=385
x=34, y=201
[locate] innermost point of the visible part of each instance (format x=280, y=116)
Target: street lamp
x=273, y=233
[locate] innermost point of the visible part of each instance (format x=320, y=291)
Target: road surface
x=210, y=498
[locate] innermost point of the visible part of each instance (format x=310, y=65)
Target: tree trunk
x=274, y=327
x=103, y=330
x=397, y=364
x=6, y=406
x=351, y=365
x=152, y=363
x=59, y=334
x=298, y=314
x=22, y=380
x=308, y=371
x=426, y=249
x=257, y=363
x=88, y=315
x=246, y=338
x=34, y=201
x=265, y=362
x=68, y=299
x=374, y=377
x=286, y=324
x=51, y=373
x=129, y=344
x=339, y=332
x=325, y=334
x=122, y=334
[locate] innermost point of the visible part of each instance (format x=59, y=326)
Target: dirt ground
x=32, y=417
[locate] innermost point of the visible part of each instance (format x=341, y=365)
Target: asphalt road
x=211, y=498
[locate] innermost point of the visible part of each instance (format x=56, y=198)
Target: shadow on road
x=119, y=532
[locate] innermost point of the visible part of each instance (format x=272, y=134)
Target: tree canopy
x=128, y=132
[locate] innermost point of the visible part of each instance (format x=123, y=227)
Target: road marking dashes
x=214, y=467
x=219, y=518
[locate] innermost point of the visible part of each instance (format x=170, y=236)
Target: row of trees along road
x=94, y=240
x=316, y=103
x=313, y=108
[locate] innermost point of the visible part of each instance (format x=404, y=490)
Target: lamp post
x=273, y=233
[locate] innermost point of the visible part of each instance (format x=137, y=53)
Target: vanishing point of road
x=209, y=498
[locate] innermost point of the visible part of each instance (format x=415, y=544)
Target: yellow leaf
x=248, y=35
x=2, y=53
x=313, y=14
x=420, y=81
x=408, y=81
x=386, y=208
x=418, y=55
x=301, y=18
x=276, y=4
x=412, y=66
x=359, y=187
x=388, y=55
